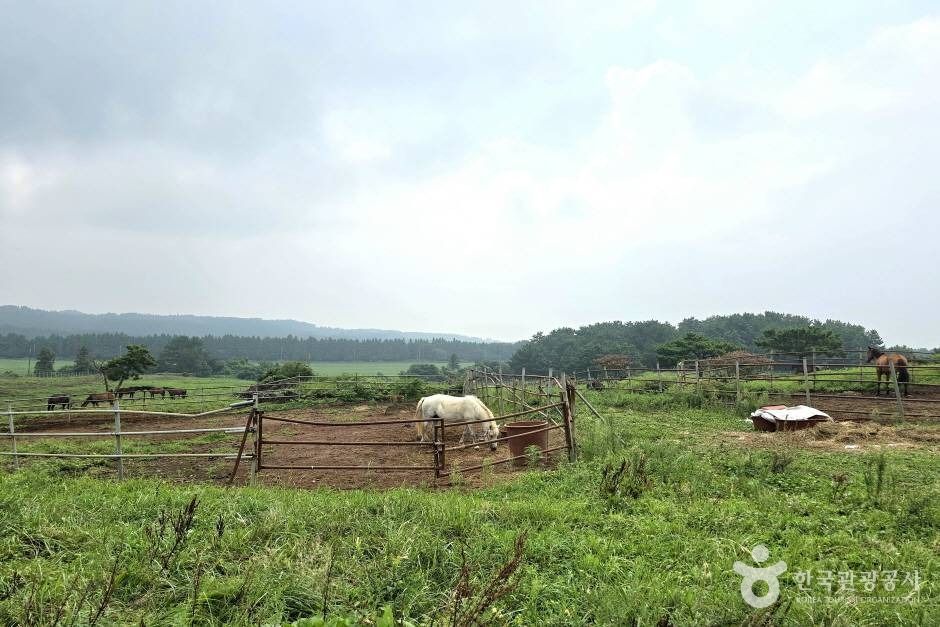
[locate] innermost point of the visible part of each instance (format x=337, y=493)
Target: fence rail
x=118, y=434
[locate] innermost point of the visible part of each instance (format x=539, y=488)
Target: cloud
x=487, y=169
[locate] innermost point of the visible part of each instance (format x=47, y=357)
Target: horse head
x=491, y=433
x=873, y=353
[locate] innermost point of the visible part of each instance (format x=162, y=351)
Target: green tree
x=135, y=361
x=429, y=371
x=287, y=370
x=45, y=362
x=83, y=362
x=454, y=363
x=801, y=341
x=186, y=354
x=691, y=346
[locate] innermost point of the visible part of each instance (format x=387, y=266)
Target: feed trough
x=526, y=438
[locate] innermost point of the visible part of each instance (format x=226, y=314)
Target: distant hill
x=35, y=322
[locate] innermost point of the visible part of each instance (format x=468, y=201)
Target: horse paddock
x=290, y=453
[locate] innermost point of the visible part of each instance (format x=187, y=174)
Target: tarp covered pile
x=783, y=418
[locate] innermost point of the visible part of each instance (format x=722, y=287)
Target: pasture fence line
x=731, y=382
x=118, y=434
x=288, y=389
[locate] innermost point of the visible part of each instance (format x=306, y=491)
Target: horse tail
x=901, y=371
x=419, y=426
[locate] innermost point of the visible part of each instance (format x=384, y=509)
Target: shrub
x=287, y=370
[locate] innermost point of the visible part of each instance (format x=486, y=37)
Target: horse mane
x=483, y=405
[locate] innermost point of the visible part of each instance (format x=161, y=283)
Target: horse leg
x=473, y=436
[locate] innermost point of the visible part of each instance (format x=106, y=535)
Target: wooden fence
x=119, y=435
x=437, y=448
x=737, y=380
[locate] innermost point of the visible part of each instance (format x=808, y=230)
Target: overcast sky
x=492, y=169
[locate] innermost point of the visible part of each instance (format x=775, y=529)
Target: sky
x=487, y=168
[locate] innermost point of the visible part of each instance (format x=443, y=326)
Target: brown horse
x=58, y=399
x=176, y=392
x=155, y=391
x=883, y=361
x=131, y=390
x=101, y=397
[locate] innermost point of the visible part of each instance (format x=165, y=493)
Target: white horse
x=456, y=409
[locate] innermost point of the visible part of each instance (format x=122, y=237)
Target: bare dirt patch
x=862, y=436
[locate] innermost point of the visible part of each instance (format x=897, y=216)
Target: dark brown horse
x=176, y=392
x=101, y=397
x=58, y=399
x=883, y=361
x=131, y=390
x=155, y=391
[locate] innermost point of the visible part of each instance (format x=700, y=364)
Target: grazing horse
x=155, y=391
x=101, y=397
x=176, y=392
x=884, y=361
x=122, y=392
x=455, y=409
x=59, y=399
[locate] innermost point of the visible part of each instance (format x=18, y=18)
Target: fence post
x=566, y=414
x=897, y=388
x=439, y=447
x=16, y=460
x=499, y=389
x=698, y=378
x=117, y=437
x=524, y=399
x=814, y=368
x=550, y=380
x=861, y=372
x=737, y=382
x=806, y=380
x=659, y=377
x=254, y=444
x=773, y=367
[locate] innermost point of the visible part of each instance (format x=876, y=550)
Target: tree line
x=290, y=348
x=645, y=343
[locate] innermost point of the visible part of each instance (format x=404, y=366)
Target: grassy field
x=657, y=547
x=18, y=365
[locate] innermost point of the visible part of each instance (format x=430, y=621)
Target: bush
x=427, y=371
x=287, y=370
x=244, y=369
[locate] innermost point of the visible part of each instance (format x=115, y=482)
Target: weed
x=181, y=523
x=628, y=481
x=533, y=456
x=780, y=460
x=840, y=484
x=469, y=604
x=876, y=478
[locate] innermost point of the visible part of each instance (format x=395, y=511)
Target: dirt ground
x=862, y=436
x=292, y=454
